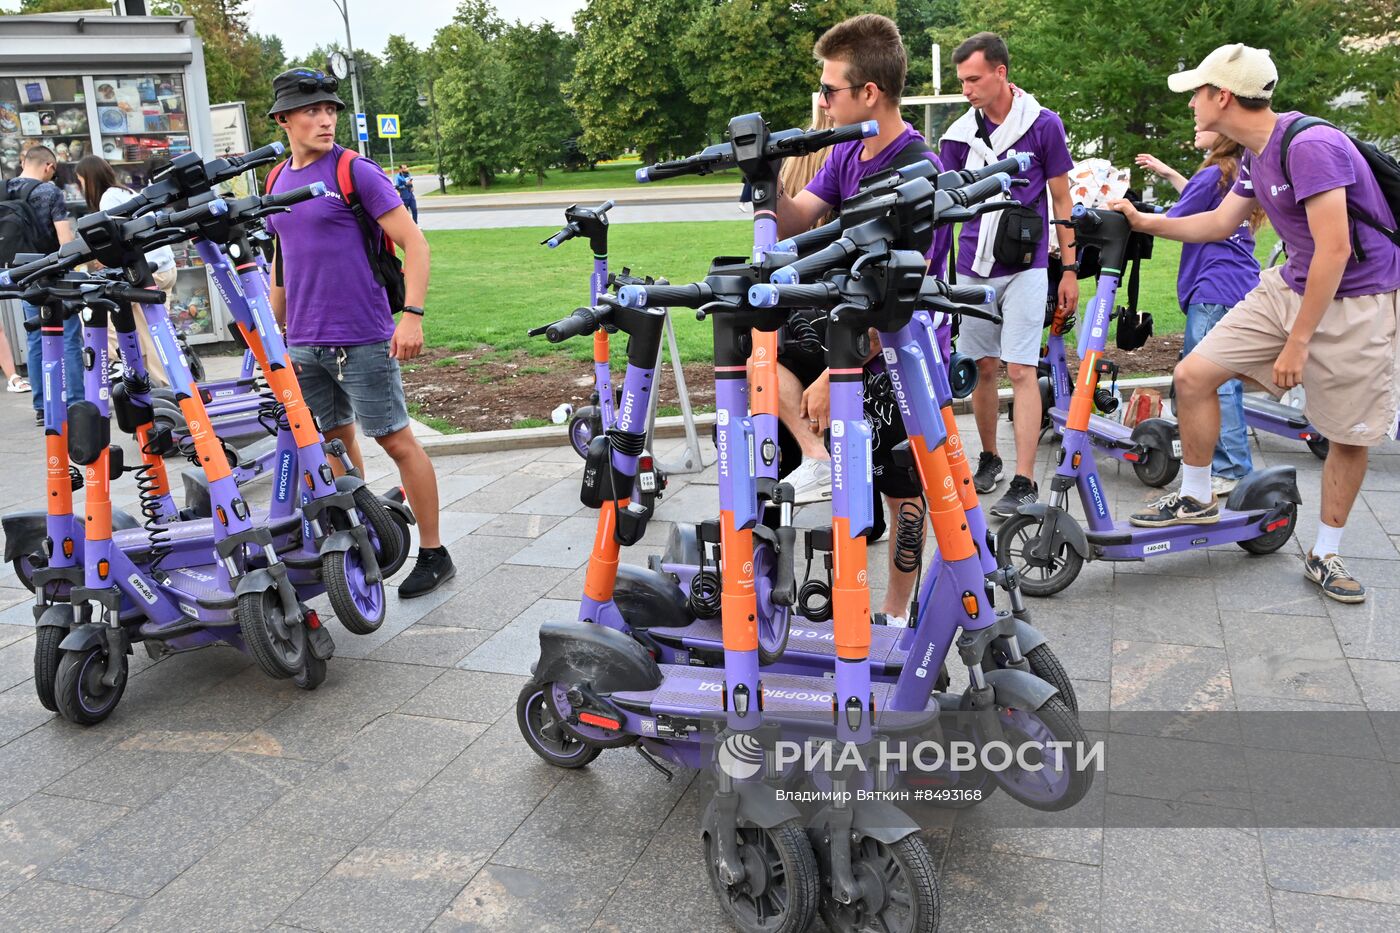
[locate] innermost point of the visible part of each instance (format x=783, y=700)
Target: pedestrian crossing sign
x=388, y=125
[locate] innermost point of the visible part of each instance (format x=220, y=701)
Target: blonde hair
x=797, y=172
x=1225, y=153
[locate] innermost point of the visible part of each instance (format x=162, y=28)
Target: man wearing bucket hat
x=331, y=290
x=1327, y=319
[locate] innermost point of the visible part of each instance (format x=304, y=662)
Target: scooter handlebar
x=1013, y=164
x=582, y=321
x=961, y=310
x=118, y=291
x=809, y=240
x=780, y=145
x=817, y=295
x=665, y=296
x=979, y=191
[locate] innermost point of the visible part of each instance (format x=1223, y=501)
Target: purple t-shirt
x=840, y=176
x=1213, y=273
x=332, y=297
x=1045, y=140
x=1320, y=159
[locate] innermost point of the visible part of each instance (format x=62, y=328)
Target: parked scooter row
x=693, y=659
x=220, y=570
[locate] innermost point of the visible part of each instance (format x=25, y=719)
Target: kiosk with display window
x=127, y=88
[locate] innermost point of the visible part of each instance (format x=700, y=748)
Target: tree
x=626, y=87
x=401, y=80
x=741, y=56
x=1106, y=74
x=535, y=62
x=468, y=87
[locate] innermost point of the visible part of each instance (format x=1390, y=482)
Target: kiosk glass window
x=45, y=111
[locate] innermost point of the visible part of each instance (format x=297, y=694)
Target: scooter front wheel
x=1044, y=664
x=900, y=889
x=358, y=604
x=544, y=733
x=1054, y=781
x=277, y=643
x=388, y=533
x=47, y=657
x=1016, y=542
x=81, y=696
x=779, y=891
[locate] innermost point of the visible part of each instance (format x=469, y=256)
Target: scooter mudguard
x=58, y=615
x=352, y=539
x=1027, y=635
x=1059, y=523
x=198, y=502
x=758, y=806
x=1019, y=689
x=683, y=547
x=83, y=637
x=1261, y=489
x=1157, y=433
x=25, y=531
x=648, y=599
x=872, y=819
x=605, y=659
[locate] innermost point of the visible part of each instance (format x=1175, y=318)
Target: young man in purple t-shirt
x=1002, y=118
x=1326, y=320
x=863, y=70
x=339, y=326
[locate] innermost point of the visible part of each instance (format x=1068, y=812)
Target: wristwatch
x=1064, y=267
x=413, y=309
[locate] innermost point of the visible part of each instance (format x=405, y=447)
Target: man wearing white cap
x=1327, y=319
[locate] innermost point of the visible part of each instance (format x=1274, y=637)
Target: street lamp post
x=429, y=102
x=344, y=7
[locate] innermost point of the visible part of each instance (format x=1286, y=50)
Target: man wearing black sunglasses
x=332, y=287
x=864, y=64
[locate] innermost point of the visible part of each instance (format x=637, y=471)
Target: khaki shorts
x=1351, y=367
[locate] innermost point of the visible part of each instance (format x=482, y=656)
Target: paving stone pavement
x=399, y=796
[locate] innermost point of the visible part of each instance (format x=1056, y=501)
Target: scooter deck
x=1268, y=408
x=809, y=644
x=699, y=691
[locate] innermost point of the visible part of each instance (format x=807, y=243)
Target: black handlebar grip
x=582, y=321
x=1013, y=165
x=693, y=295
x=295, y=196
x=969, y=294
x=785, y=583
x=816, y=295
x=979, y=191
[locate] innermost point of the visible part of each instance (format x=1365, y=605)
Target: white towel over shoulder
x=1024, y=111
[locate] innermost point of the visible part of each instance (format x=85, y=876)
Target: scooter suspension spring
x=909, y=536
x=156, y=532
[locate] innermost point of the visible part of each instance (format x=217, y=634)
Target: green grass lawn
x=490, y=286
x=619, y=174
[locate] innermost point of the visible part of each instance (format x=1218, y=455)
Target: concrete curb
x=556, y=435
x=536, y=200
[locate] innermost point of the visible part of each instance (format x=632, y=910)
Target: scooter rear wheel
x=1016, y=539
x=780, y=888
x=1319, y=447
x=901, y=889
x=47, y=656
x=358, y=604
x=1157, y=468
x=557, y=696
x=79, y=693
x=277, y=643
x=312, y=675
x=1271, y=541
x=1057, y=784
x=543, y=732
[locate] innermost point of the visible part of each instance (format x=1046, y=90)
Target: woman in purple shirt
x=1212, y=279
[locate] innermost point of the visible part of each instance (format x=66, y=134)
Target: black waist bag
x=1018, y=235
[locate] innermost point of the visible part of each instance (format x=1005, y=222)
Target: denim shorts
x=346, y=384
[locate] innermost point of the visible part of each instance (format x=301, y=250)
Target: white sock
x=1195, y=482
x=1329, y=540
x=896, y=621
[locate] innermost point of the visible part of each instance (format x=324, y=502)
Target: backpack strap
x=1296, y=127
x=272, y=175
x=268, y=182
x=345, y=183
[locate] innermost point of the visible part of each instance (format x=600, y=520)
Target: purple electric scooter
x=1046, y=545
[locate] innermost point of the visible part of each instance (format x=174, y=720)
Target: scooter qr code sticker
x=1176, y=448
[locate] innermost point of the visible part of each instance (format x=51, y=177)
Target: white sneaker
x=896, y=621
x=811, y=481
x=1222, y=486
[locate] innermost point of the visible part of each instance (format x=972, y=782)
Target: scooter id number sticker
x=647, y=481
x=1176, y=448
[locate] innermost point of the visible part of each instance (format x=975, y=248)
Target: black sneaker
x=988, y=472
x=1021, y=492
x=39, y=418
x=433, y=568
x=1176, y=509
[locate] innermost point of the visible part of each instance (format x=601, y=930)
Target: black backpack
x=19, y=223
x=1382, y=165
